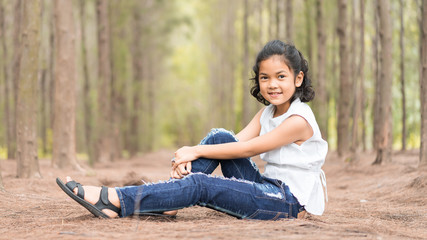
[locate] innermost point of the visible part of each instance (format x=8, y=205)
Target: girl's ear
x=299, y=79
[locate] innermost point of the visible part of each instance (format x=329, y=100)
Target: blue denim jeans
x=243, y=192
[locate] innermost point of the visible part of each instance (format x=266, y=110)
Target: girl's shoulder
x=304, y=110
x=300, y=108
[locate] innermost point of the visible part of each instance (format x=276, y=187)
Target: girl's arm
x=252, y=129
x=295, y=129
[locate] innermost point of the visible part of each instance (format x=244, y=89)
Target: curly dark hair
x=295, y=61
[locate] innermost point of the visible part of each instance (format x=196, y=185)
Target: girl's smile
x=274, y=94
x=278, y=83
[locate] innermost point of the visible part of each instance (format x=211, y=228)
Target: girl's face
x=277, y=83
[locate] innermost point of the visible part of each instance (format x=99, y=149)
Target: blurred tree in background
x=423, y=83
x=27, y=91
x=154, y=74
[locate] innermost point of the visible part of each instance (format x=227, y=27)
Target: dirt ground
x=365, y=202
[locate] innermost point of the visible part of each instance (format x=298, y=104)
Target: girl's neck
x=281, y=109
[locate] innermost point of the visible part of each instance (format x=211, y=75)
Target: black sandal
x=103, y=202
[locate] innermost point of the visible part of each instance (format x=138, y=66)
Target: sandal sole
x=90, y=207
x=155, y=215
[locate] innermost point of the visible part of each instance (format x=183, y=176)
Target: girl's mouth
x=274, y=94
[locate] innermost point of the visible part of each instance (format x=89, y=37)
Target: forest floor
x=365, y=202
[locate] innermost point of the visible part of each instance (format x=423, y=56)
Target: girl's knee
x=221, y=135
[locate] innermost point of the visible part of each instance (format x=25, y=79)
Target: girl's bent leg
x=205, y=165
x=242, y=199
x=242, y=168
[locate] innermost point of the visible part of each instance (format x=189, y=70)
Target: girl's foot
x=171, y=213
x=92, y=195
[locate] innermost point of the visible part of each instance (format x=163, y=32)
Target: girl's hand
x=181, y=171
x=184, y=155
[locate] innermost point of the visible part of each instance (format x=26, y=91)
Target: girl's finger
x=182, y=169
x=177, y=163
x=176, y=175
x=174, y=165
x=178, y=170
x=188, y=166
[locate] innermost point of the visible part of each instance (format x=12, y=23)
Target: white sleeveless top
x=298, y=166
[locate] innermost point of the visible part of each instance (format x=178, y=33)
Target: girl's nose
x=272, y=83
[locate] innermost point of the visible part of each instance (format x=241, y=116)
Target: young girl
x=284, y=132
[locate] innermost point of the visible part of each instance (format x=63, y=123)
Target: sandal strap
x=80, y=191
x=104, y=203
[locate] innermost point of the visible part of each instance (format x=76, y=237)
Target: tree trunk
x=137, y=58
x=423, y=83
x=144, y=130
x=344, y=100
x=384, y=140
x=42, y=74
x=11, y=153
x=402, y=74
x=214, y=89
x=356, y=86
x=226, y=66
x=105, y=148
x=289, y=21
x=308, y=12
x=116, y=82
x=271, y=33
x=376, y=73
x=362, y=72
x=27, y=164
x=86, y=87
x=43, y=110
x=246, y=113
x=260, y=25
x=321, y=101
x=231, y=86
x=47, y=78
x=6, y=80
x=6, y=93
x=51, y=87
x=64, y=125
x=277, y=14
x=151, y=85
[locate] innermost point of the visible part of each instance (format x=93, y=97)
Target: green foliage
x=3, y=153
x=183, y=99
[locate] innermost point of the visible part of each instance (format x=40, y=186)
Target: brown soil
x=365, y=202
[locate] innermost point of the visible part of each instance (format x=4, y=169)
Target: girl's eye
x=281, y=76
x=263, y=78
